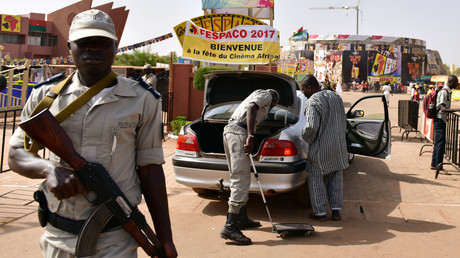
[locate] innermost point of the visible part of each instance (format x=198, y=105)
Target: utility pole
x=343, y=7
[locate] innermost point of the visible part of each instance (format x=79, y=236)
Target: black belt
x=72, y=226
x=238, y=123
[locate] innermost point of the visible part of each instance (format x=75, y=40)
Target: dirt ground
x=392, y=208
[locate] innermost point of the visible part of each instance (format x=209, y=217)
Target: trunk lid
x=235, y=86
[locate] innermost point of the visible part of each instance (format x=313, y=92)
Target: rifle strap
x=31, y=145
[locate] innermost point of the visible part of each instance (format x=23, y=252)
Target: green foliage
x=136, y=58
x=166, y=59
x=198, y=79
x=141, y=57
x=177, y=123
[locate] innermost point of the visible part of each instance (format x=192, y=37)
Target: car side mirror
x=358, y=113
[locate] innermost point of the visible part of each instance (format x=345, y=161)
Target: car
x=280, y=153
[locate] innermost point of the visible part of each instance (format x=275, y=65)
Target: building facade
x=357, y=58
x=35, y=36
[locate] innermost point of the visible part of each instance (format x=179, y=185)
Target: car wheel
x=303, y=195
x=351, y=156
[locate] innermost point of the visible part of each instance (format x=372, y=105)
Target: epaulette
x=54, y=78
x=149, y=88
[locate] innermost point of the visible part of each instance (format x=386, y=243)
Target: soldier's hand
x=249, y=145
x=63, y=182
x=170, y=249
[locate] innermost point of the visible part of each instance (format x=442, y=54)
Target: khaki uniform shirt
x=121, y=130
x=261, y=98
x=150, y=79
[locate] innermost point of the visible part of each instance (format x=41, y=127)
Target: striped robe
x=325, y=133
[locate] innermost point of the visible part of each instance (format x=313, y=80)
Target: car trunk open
x=233, y=87
x=209, y=136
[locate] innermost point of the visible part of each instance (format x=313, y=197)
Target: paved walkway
x=392, y=208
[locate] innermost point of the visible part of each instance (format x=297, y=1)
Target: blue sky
x=432, y=21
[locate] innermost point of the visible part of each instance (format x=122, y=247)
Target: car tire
x=351, y=157
x=303, y=195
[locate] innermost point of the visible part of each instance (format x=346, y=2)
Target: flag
x=37, y=25
x=298, y=32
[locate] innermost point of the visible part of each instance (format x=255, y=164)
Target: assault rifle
x=110, y=200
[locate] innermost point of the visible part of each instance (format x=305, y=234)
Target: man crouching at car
x=238, y=139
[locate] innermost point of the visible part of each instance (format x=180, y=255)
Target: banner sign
x=11, y=23
x=38, y=61
x=244, y=44
x=384, y=79
x=386, y=61
x=216, y=22
x=333, y=65
x=219, y=4
x=413, y=67
x=297, y=63
x=354, y=66
x=302, y=36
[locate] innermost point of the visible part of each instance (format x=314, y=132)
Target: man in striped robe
x=324, y=131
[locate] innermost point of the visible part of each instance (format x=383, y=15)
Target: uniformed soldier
x=149, y=77
x=120, y=128
x=238, y=144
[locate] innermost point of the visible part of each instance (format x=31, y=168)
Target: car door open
x=368, y=127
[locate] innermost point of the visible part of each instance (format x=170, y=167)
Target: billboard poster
x=320, y=63
x=216, y=22
x=357, y=47
x=335, y=46
x=386, y=61
x=244, y=44
x=297, y=63
x=310, y=47
x=413, y=67
x=334, y=65
x=11, y=23
x=219, y=4
x=354, y=66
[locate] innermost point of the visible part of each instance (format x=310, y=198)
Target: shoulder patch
x=54, y=78
x=149, y=88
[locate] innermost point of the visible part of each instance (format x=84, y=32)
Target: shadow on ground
x=372, y=209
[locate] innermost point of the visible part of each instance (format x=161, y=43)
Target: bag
x=429, y=104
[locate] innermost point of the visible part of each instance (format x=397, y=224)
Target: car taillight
x=187, y=143
x=276, y=147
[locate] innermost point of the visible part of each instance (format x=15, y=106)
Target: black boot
x=244, y=222
x=231, y=231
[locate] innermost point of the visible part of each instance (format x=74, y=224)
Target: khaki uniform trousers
x=239, y=168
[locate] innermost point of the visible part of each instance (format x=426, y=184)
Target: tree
x=167, y=58
x=142, y=57
x=447, y=69
x=136, y=58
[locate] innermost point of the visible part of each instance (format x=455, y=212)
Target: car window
x=223, y=112
x=370, y=108
x=276, y=114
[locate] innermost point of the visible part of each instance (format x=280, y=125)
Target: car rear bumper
x=206, y=173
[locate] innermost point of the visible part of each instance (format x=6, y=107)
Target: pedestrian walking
x=387, y=91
